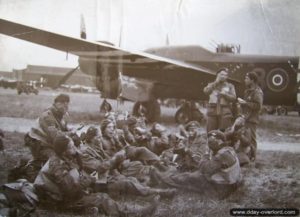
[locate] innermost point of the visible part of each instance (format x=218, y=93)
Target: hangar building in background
x=52, y=75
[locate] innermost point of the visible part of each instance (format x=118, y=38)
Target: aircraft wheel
x=282, y=110
x=182, y=116
x=137, y=108
x=150, y=109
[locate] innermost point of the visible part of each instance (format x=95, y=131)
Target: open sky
x=259, y=26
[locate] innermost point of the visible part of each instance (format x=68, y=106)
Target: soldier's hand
x=241, y=101
x=94, y=175
x=223, y=93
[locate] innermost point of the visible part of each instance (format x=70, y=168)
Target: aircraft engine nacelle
x=107, y=78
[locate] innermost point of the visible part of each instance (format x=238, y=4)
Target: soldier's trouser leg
x=225, y=122
x=129, y=185
x=226, y=117
x=109, y=207
x=252, y=128
x=141, y=154
x=102, y=201
x=212, y=123
x=193, y=181
x=188, y=179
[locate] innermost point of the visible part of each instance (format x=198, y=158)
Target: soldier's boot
x=162, y=179
x=92, y=211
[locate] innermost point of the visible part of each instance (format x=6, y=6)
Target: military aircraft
x=166, y=72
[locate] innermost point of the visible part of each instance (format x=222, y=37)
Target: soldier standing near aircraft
x=251, y=105
x=221, y=95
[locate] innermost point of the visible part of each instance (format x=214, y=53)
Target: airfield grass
x=85, y=108
x=273, y=182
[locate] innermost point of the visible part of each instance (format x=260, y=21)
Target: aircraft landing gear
x=188, y=111
x=149, y=109
x=281, y=110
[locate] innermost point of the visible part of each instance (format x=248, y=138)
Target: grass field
x=273, y=182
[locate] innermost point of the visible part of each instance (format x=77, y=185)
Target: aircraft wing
x=97, y=51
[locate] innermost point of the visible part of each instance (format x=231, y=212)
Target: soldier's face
x=214, y=143
x=62, y=107
x=248, y=81
x=222, y=76
x=192, y=131
x=110, y=130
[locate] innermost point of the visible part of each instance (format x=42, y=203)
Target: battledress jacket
x=48, y=126
x=254, y=100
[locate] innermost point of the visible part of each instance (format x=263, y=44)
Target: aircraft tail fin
x=82, y=28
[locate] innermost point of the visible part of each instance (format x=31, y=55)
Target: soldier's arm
x=229, y=134
x=128, y=135
x=98, y=143
x=48, y=124
x=162, y=141
x=117, y=142
x=209, y=88
x=256, y=102
x=116, y=160
x=231, y=95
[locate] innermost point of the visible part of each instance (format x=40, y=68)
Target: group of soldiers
x=91, y=171
x=224, y=106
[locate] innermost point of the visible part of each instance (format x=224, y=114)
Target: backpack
x=21, y=197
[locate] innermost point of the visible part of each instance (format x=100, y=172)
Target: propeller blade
x=66, y=77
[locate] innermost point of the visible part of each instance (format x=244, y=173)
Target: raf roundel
x=277, y=80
